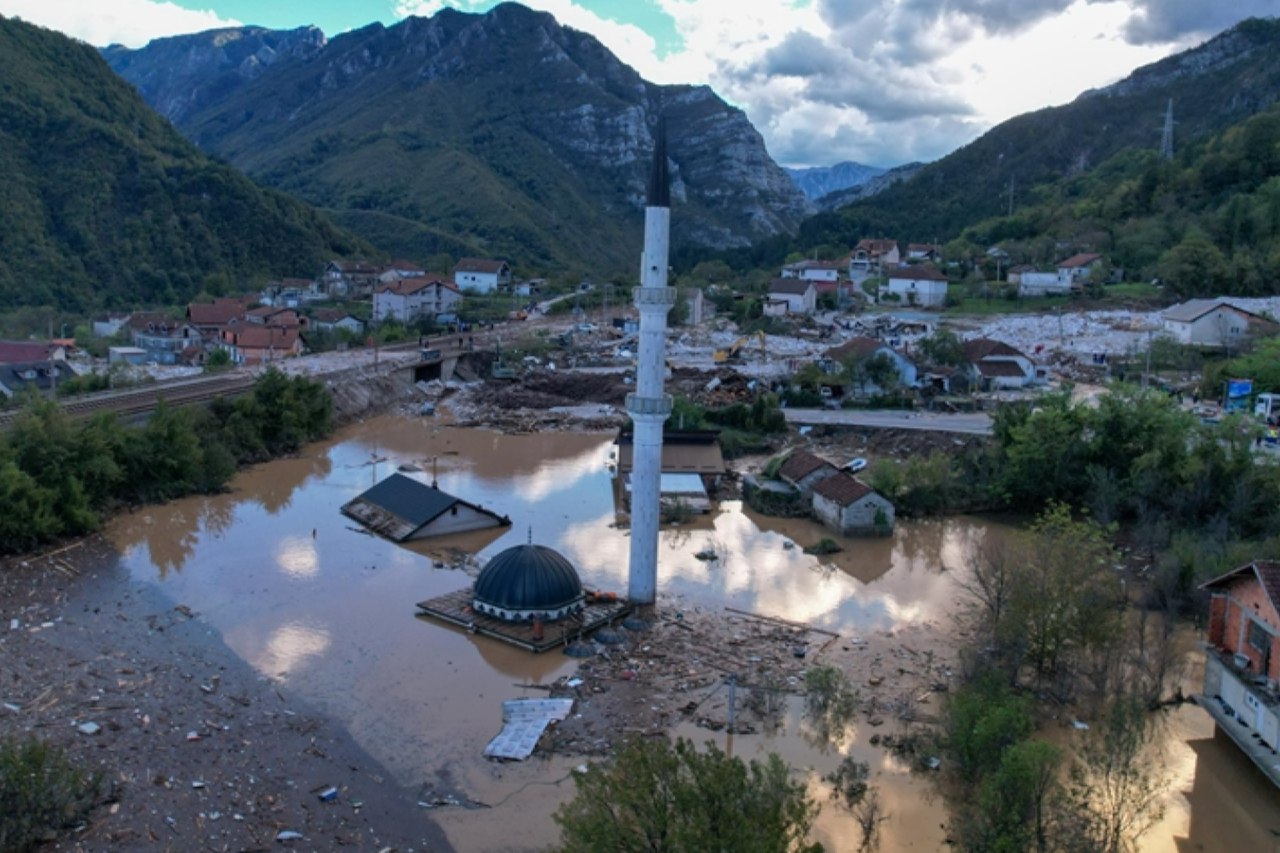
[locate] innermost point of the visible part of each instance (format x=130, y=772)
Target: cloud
x=129, y=22
x=1165, y=21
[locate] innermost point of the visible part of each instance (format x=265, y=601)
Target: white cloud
x=129, y=22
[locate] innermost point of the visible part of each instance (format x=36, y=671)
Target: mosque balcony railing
x=637, y=405
x=660, y=296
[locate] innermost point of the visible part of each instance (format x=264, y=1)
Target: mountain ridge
x=504, y=130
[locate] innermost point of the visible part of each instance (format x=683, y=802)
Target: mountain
x=872, y=186
x=1216, y=85
x=501, y=134
x=818, y=181
x=104, y=204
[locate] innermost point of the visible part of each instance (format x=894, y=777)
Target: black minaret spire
x=659, y=179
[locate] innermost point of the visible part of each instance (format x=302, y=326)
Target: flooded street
x=327, y=612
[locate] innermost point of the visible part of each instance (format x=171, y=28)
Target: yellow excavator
x=735, y=349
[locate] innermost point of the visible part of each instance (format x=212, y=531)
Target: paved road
x=971, y=424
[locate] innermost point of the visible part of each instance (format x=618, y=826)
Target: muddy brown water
x=310, y=601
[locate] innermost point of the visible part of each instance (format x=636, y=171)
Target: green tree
x=943, y=348
x=1194, y=267
x=1015, y=808
x=657, y=796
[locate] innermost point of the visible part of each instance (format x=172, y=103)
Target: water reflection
x=339, y=607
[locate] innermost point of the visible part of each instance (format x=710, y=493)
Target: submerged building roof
x=402, y=508
x=526, y=580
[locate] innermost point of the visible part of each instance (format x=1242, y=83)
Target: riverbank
x=196, y=750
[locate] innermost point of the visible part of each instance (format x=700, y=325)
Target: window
x=1259, y=638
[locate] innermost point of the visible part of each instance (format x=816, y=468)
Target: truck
x=1267, y=406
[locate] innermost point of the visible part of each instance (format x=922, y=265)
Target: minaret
x=649, y=407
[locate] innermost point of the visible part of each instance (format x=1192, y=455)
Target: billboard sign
x=1239, y=388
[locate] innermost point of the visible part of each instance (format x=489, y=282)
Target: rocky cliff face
x=505, y=133
x=820, y=181
x=178, y=76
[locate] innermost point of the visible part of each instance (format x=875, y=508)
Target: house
x=692, y=465
x=812, y=270
x=696, y=301
x=1075, y=270
x=993, y=365
x=212, y=318
x=255, y=344
x=802, y=471
x=41, y=376
x=775, y=307
x=1214, y=323
x=402, y=508
x=409, y=298
x=482, y=275
x=1242, y=661
x=12, y=352
x=850, y=507
x=921, y=286
x=1015, y=273
x=163, y=338
x=1034, y=283
x=107, y=325
x=270, y=315
x=333, y=319
x=350, y=278
x=873, y=256
x=800, y=294
x=126, y=355
x=924, y=252
x=396, y=270
x=861, y=349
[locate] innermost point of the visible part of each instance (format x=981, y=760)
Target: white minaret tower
x=649, y=406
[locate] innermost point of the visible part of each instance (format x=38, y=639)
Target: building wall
x=482, y=282
x=458, y=519
x=927, y=292
x=1230, y=614
x=1222, y=681
x=859, y=518
x=1041, y=284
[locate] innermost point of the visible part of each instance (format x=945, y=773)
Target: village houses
x=812, y=270
x=482, y=275
x=873, y=257
x=1214, y=323
x=920, y=286
x=859, y=350
x=408, y=299
x=799, y=295
x=992, y=365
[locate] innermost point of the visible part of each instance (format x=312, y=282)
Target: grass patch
x=41, y=793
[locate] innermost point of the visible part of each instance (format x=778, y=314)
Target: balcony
x=1246, y=707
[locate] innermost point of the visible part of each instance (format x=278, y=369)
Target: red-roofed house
x=22, y=351
x=211, y=318
x=1242, y=662
x=862, y=348
x=1075, y=270
x=254, y=344
x=920, y=285
x=873, y=255
x=851, y=507
x=802, y=470
x=482, y=275
x=407, y=299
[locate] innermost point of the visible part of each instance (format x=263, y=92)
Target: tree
x=1194, y=267
x=656, y=796
x=942, y=348
x=1016, y=802
x=1115, y=792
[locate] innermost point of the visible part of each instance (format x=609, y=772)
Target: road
x=969, y=424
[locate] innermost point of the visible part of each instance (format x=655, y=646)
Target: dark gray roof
x=409, y=499
x=399, y=505
x=528, y=577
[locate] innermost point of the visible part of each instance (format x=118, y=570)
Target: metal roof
x=400, y=505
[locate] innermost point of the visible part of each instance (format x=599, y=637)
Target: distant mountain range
x=502, y=134
x=1214, y=86
x=818, y=181
x=104, y=204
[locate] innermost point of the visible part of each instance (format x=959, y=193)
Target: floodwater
x=328, y=612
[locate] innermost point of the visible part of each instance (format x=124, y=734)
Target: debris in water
x=288, y=835
x=1080, y=725
x=89, y=728
x=328, y=795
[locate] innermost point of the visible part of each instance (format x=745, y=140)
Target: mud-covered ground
x=196, y=751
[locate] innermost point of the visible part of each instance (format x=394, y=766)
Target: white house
x=481, y=275
x=993, y=365
x=850, y=507
x=334, y=319
x=1032, y=283
x=1213, y=323
x=409, y=298
x=800, y=294
x=1075, y=270
x=918, y=285
x=400, y=269
x=812, y=270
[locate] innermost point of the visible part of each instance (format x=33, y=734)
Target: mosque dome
x=528, y=582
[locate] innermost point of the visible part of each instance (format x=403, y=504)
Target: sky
x=880, y=82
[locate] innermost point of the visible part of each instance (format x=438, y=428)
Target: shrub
x=41, y=792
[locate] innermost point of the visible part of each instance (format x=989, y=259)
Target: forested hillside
x=104, y=204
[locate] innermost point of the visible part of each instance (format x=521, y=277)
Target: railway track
x=142, y=399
